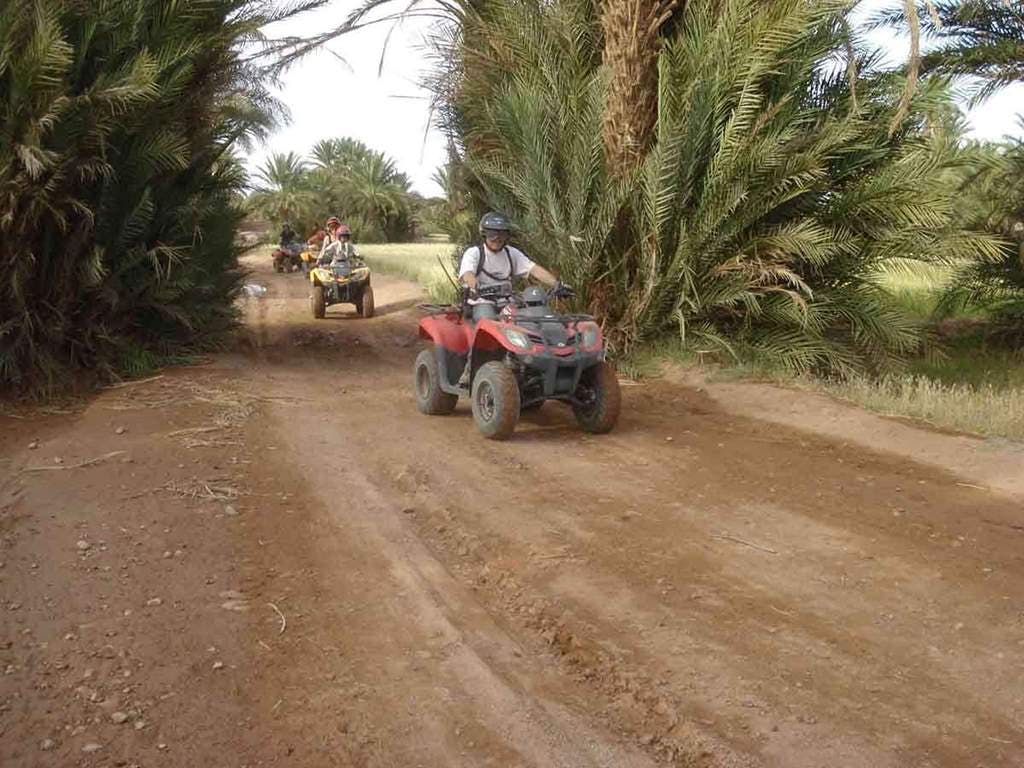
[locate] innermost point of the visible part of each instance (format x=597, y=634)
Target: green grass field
x=916, y=286
x=419, y=262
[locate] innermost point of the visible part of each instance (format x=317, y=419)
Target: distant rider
x=287, y=235
x=337, y=245
x=346, y=248
x=316, y=240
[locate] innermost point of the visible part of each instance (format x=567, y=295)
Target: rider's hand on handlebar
x=563, y=290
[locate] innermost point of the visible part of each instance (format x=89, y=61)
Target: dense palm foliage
x=732, y=172
x=118, y=183
x=767, y=204
x=345, y=178
x=992, y=200
x=981, y=42
x=284, y=193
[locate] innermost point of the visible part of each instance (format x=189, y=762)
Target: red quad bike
x=286, y=257
x=520, y=353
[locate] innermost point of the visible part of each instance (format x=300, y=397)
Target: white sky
x=390, y=112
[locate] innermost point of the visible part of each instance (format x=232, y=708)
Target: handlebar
x=559, y=291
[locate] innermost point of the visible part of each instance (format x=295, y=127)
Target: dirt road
x=273, y=559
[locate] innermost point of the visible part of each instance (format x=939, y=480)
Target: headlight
x=518, y=338
x=591, y=334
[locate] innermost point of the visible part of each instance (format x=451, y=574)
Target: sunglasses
x=495, y=234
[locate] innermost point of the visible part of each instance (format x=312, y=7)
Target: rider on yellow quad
x=340, y=276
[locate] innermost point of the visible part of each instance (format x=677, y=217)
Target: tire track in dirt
x=871, y=632
x=699, y=588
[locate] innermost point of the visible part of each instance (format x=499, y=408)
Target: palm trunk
x=631, y=44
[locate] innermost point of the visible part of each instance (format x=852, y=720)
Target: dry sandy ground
x=276, y=560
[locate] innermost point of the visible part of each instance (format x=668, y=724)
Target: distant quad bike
x=341, y=281
x=520, y=353
x=288, y=257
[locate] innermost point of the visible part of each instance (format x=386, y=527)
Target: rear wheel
x=318, y=302
x=430, y=398
x=365, y=303
x=495, y=401
x=598, y=399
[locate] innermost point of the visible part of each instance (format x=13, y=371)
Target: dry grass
x=967, y=386
x=969, y=390
x=204, y=490
x=226, y=408
x=982, y=409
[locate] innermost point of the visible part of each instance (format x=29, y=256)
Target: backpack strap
x=480, y=264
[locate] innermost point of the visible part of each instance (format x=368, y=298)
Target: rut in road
x=286, y=564
x=728, y=589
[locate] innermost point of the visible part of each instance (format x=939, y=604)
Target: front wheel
x=495, y=401
x=318, y=302
x=430, y=398
x=598, y=399
x=365, y=303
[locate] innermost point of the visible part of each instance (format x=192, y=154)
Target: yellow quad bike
x=308, y=256
x=342, y=282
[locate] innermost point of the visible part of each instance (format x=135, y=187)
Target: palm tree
x=984, y=39
x=364, y=186
x=286, y=193
x=338, y=154
x=374, y=191
x=118, y=185
x=992, y=200
x=761, y=210
x=632, y=41
x=281, y=171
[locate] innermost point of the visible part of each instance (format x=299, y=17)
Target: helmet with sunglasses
x=493, y=221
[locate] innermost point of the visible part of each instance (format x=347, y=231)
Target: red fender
x=444, y=333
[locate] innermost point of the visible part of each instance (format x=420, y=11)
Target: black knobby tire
x=365, y=303
x=318, y=302
x=430, y=398
x=495, y=399
x=601, y=399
